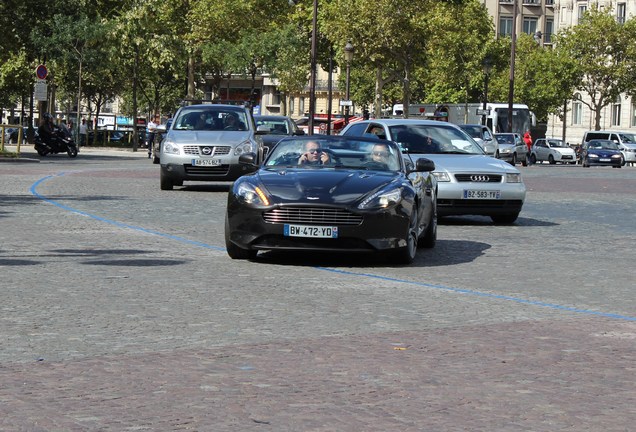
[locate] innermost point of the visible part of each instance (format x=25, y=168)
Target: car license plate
x=310, y=231
x=605, y=160
x=206, y=162
x=481, y=194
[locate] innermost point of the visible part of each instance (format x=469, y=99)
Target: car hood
x=208, y=137
x=563, y=150
x=457, y=163
x=322, y=185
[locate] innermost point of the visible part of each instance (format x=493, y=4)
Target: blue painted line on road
x=554, y=306
x=34, y=191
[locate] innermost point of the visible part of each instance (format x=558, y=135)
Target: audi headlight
x=382, y=199
x=244, y=147
x=513, y=178
x=251, y=195
x=170, y=147
x=441, y=176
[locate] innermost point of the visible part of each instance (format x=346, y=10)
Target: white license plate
x=206, y=162
x=605, y=160
x=481, y=194
x=310, y=231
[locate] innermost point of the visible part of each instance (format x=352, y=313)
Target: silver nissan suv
x=204, y=143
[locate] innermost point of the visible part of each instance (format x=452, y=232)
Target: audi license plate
x=310, y=231
x=481, y=194
x=206, y=162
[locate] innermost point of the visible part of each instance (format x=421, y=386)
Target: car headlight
x=382, y=199
x=251, y=195
x=244, y=147
x=513, y=178
x=592, y=155
x=616, y=156
x=170, y=147
x=441, y=176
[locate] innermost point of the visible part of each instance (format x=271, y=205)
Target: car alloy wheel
x=406, y=254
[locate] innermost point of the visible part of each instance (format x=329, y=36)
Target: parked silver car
x=552, y=150
x=484, y=138
x=469, y=182
x=204, y=143
x=512, y=149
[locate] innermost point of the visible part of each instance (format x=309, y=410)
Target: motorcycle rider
x=47, y=130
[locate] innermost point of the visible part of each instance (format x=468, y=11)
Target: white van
x=626, y=142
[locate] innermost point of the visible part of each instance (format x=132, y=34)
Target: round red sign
x=41, y=72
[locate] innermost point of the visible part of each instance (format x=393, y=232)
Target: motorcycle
x=61, y=142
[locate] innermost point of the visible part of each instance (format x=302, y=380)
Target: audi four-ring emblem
x=479, y=178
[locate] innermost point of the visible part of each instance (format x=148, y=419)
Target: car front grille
x=206, y=170
x=312, y=216
x=479, y=178
x=214, y=150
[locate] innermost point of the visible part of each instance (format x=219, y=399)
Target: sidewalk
x=28, y=153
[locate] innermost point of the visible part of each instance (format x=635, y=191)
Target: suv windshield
x=434, y=139
x=210, y=119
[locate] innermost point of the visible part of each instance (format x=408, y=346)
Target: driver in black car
x=313, y=155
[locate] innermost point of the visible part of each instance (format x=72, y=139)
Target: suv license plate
x=481, y=194
x=206, y=162
x=310, y=231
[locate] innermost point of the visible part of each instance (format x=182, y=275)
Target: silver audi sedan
x=469, y=181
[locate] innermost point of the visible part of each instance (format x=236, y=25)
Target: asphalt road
x=121, y=311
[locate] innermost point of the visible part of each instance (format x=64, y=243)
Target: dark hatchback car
x=276, y=128
x=601, y=152
x=333, y=194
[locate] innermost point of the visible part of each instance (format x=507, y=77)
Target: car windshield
x=628, y=138
x=210, y=119
x=557, y=143
x=603, y=145
x=335, y=153
x=434, y=139
x=473, y=131
x=505, y=138
x=276, y=127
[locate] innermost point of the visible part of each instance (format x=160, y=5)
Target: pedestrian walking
x=83, y=134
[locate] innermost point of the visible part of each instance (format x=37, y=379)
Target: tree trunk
x=406, y=90
x=379, y=83
x=135, y=145
x=191, y=86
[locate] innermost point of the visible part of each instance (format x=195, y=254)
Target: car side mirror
x=248, y=159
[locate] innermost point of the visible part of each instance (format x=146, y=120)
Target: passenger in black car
x=313, y=155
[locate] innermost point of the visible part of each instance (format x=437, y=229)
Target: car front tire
x=233, y=250
x=405, y=255
x=165, y=182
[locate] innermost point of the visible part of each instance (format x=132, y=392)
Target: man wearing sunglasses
x=313, y=155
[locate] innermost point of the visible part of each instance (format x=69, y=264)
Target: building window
x=620, y=13
x=564, y=14
x=633, y=114
x=616, y=112
x=291, y=105
x=301, y=105
x=577, y=110
x=529, y=25
x=549, y=29
x=582, y=10
x=505, y=26
x=276, y=97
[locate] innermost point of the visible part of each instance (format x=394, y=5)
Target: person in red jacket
x=527, y=138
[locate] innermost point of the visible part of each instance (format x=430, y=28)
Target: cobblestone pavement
x=121, y=311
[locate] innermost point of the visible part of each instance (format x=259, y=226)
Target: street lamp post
x=513, y=44
x=487, y=66
x=312, y=76
x=348, y=55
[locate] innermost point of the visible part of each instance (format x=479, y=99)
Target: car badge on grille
x=206, y=151
x=479, y=178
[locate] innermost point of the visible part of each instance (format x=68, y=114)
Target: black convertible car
x=335, y=194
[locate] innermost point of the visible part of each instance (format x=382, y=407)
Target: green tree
x=601, y=47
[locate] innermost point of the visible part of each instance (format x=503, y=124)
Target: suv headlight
x=382, y=199
x=170, y=147
x=244, y=147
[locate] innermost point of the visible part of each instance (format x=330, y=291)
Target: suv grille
x=479, y=178
x=312, y=215
x=214, y=150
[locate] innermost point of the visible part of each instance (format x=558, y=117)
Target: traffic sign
x=346, y=103
x=483, y=111
x=40, y=90
x=41, y=72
